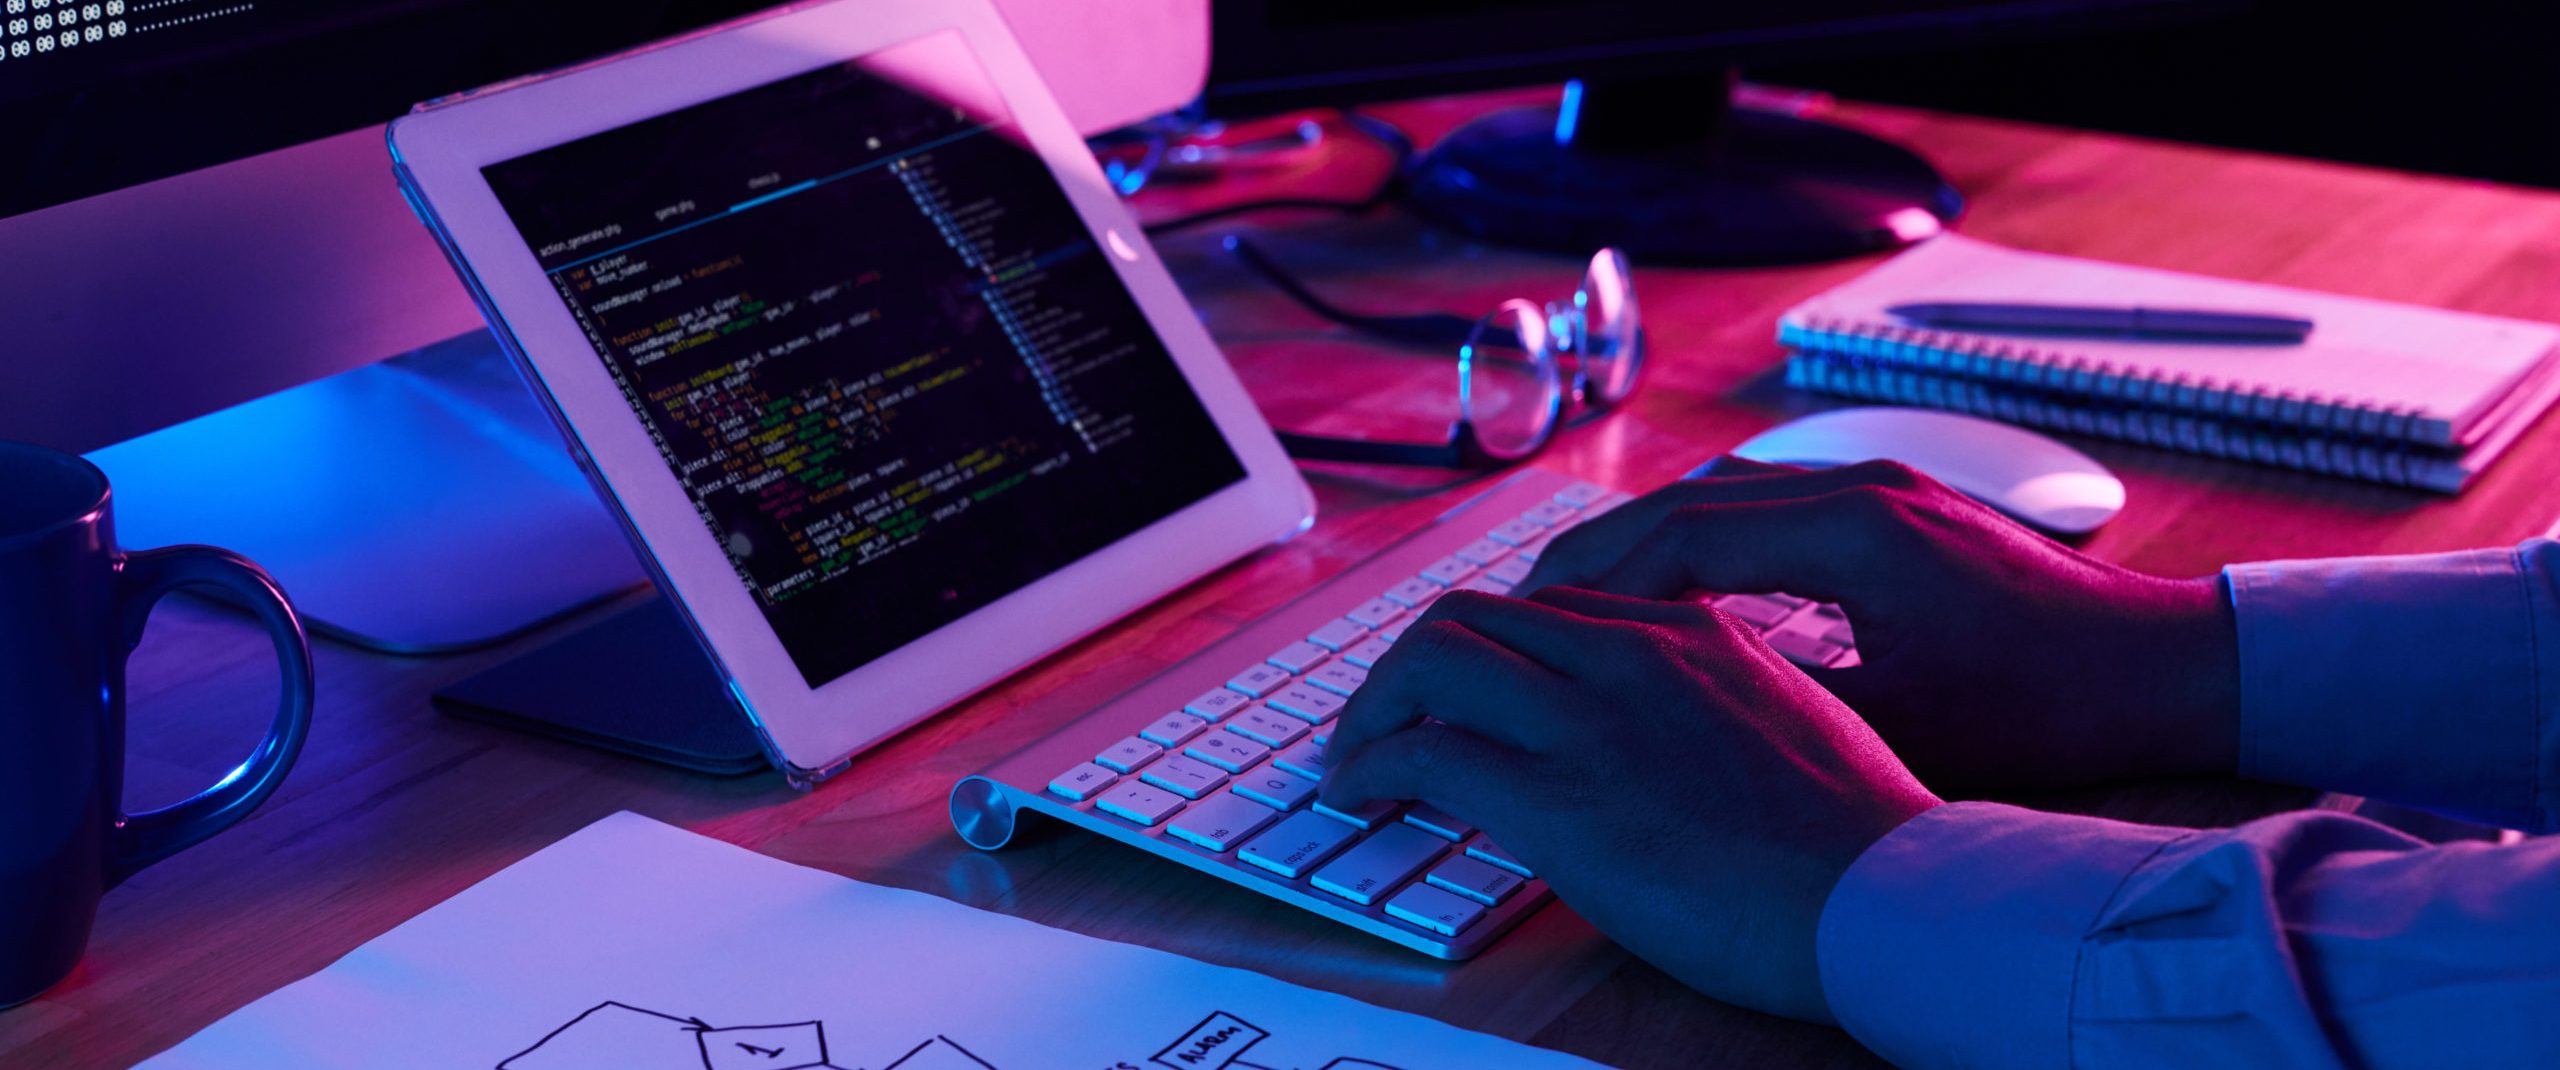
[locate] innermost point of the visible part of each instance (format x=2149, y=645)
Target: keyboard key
x=1376, y=612
x=1449, y=571
x=1083, y=782
x=1341, y=678
x=1483, y=552
x=1797, y=646
x=1395, y=629
x=1276, y=789
x=1484, y=883
x=1337, y=634
x=1267, y=728
x=1222, y=823
x=1787, y=600
x=1185, y=777
x=1139, y=803
x=1582, y=494
x=1366, y=655
x=1484, y=850
x=1215, y=705
x=1171, y=729
x=1615, y=499
x=1298, y=844
x=1533, y=549
x=1364, y=873
x=1761, y=612
x=1227, y=750
x=1259, y=680
x=1550, y=513
x=1512, y=571
x=1838, y=632
x=1307, y=758
x=1127, y=755
x=1414, y=593
x=1517, y=532
x=1296, y=657
x=1378, y=812
x=1434, y=909
x=1829, y=611
x=1313, y=705
x=1438, y=822
x=1486, y=585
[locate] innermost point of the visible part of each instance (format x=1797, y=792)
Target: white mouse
x=2014, y=470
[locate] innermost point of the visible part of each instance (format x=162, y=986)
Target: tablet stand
x=634, y=683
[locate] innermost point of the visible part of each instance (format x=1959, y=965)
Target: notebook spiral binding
x=2085, y=379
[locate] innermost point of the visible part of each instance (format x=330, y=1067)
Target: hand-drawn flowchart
x=613, y=1035
x=636, y=945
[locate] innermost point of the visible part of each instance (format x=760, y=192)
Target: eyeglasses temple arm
x=1429, y=328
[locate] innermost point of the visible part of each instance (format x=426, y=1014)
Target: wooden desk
x=394, y=807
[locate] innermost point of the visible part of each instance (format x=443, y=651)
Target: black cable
x=1379, y=130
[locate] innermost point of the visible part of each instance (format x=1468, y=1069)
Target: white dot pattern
x=36, y=27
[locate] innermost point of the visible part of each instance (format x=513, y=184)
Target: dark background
x=2463, y=87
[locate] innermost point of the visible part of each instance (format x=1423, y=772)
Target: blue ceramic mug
x=71, y=608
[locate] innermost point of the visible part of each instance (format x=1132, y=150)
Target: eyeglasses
x=1519, y=365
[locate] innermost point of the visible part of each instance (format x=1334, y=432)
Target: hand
x=1675, y=781
x=1992, y=656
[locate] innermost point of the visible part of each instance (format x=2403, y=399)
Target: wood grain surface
x=395, y=807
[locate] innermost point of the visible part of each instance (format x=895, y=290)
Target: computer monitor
x=197, y=217
x=1645, y=150
x=196, y=208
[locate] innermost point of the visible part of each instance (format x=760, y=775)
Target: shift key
x=1366, y=873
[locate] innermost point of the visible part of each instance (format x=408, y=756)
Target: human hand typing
x=1991, y=656
x=1672, y=778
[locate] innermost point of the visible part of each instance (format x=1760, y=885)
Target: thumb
x=1448, y=767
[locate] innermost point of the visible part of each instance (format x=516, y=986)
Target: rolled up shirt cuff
x=1954, y=941
x=2410, y=679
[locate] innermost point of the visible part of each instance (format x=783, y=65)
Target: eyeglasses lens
x=1509, y=388
x=1613, y=343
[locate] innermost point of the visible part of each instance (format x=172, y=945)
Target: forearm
x=1989, y=936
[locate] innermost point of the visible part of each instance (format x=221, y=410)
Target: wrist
x=2188, y=645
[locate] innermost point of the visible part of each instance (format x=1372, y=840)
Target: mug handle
x=142, y=839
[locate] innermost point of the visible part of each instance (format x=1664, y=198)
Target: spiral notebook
x=2383, y=391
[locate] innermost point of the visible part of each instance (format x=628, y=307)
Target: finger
x=1601, y=605
x=1564, y=642
x=1829, y=547
x=1858, y=687
x=1587, y=551
x=1446, y=670
x=1443, y=765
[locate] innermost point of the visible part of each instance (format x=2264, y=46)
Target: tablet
x=844, y=322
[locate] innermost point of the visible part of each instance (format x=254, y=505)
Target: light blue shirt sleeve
x=2427, y=681
x=1985, y=935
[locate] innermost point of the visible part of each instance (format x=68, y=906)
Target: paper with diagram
x=633, y=945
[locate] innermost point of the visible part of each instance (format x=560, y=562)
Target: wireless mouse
x=2014, y=470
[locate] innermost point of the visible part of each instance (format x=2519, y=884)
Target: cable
x=1379, y=130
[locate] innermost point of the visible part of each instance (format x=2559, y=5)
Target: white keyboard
x=1214, y=763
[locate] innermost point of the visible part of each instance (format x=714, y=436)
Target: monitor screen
x=895, y=372
x=97, y=95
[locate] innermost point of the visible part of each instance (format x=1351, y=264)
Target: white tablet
x=842, y=319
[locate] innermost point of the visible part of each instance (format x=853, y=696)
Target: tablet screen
x=890, y=364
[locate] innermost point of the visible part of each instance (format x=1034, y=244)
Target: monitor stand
x=421, y=505
x=1669, y=170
